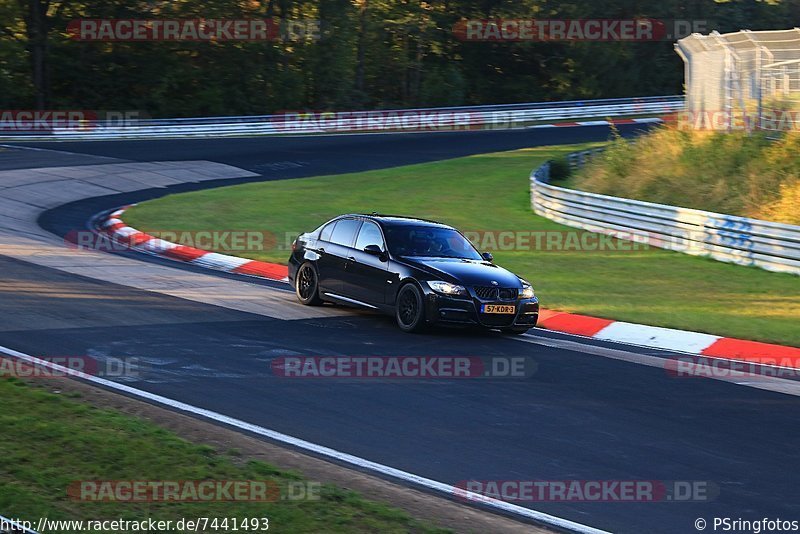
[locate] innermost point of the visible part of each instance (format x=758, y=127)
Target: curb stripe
x=657, y=337
x=613, y=122
x=582, y=325
x=138, y=238
x=116, y=229
x=158, y=246
x=184, y=253
x=124, y=233
x=267, y=270
x=220, y=261
x=754, y=351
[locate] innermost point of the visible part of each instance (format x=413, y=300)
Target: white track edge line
x=676, y=352
x=746, y=379
x=16, y=525
x=35, y=149
x=321, y=450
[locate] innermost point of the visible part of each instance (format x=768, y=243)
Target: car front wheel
x=410, y=311
x=307, y=285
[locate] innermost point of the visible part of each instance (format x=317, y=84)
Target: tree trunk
x=362, y=44
x=36, y=29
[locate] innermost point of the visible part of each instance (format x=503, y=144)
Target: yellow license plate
x=498, y=308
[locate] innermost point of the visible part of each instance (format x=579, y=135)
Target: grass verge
x=49, y=441
x=489, y=193
x=755, y=175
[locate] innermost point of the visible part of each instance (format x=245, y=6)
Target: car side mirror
x=375, y=250
x=487, y=256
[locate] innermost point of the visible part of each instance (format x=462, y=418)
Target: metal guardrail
x=727, y=238
x=454, y=118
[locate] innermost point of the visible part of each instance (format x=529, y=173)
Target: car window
x=345, y=232
x=326, y=232
x=427, y=241
x=369, y=234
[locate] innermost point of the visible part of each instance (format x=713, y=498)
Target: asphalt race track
x=292, y=157
x=584, y=415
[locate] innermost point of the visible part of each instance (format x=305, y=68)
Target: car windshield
x=427, y=241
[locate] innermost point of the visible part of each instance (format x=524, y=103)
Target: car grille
x=494, y=293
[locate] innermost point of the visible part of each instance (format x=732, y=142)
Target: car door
x=365, y=278
x=326, y=264
x=334, y=254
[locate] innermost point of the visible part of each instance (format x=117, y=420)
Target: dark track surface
x=291, y=157
x=580, y=417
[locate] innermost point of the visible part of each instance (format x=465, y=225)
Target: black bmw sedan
x=422, y=272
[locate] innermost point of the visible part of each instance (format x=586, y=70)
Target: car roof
x=397, y=220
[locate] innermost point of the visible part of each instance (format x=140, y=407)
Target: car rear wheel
x=307, y=285
x=410, y=311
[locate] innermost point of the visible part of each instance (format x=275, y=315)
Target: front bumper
x=466, y=311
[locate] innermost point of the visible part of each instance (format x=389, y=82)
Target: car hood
x=467, y=272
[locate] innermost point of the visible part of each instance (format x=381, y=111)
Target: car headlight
x=527, y=290
x=446, y=288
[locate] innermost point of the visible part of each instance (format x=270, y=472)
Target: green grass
x=49, y=441
x=491, y=193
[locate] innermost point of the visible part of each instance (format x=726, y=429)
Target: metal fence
x=428, y=119
x=771, y=246
x=747, y=79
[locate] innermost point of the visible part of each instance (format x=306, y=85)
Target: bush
x=734, y=173
x=559, y=169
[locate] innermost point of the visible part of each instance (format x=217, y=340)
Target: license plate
x=498, y=308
